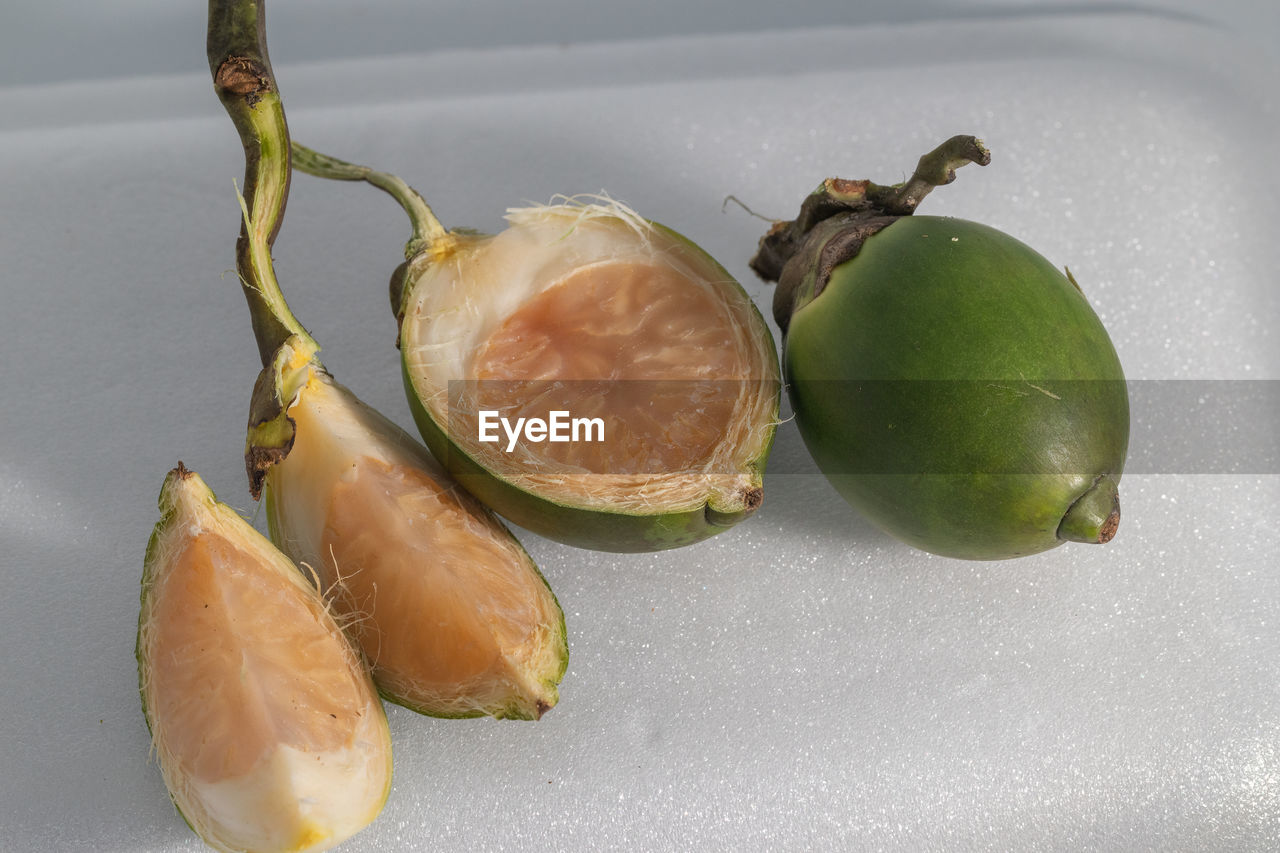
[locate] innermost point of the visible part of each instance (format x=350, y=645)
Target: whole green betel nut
x=951, y=383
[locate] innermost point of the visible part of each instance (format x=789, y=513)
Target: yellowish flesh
x=449, y=610
x=450, y=616
x=637, y=345
x=265, y=723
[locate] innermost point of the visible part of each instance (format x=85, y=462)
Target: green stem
x=427, y=229
x=242, y=77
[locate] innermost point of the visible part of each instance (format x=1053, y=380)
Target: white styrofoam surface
x=799, y=681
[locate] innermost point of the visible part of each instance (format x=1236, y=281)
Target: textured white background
x=801, y=681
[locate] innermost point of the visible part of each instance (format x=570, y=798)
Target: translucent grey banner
x=1018, y=426
x=1204, y=426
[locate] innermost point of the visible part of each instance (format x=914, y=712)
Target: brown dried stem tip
x=837, y=217
x=865, y=199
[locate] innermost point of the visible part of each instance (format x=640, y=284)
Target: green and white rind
x=931, y=298
x=168, y=510
x=598, y=528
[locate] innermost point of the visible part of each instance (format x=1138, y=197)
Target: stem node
x=241, y=75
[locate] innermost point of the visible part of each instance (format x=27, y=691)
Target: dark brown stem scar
x=258, y=461
x=241, y=75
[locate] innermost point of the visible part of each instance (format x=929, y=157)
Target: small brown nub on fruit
x=1095, y=515
x=751, y=496
x=1109, y=527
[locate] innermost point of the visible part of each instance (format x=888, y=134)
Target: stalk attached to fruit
x=951, y=383
x=585, y=310
x=448, y=608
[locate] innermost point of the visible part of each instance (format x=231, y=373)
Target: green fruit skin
x=1026, y=411
x=594, y=529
